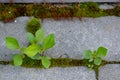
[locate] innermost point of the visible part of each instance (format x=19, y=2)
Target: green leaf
x=48, y=42
x=97, y=61
x=17, y=59
x=30, y=37
x=23, y=49
x=32, y=50
x=46, y=61
x=39, y=35
x=101, y=52
x=12, y=43
x=91, y=59
x=87, y=54
x=36, y=57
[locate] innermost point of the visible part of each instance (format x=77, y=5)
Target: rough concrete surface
x=72, y=36
x=106, y=6
x=110, y=72
x=75, y=36
x=16, y=30
x=18, y=73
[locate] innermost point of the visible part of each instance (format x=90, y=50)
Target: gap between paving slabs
x=90, y=9
x=60, y=62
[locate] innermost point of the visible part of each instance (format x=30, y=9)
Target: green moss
x=90, y=6
x=88, y=9
x=5, y=62
x=115, y=11
x=0, y=11
x=20, y=10
x=41, y=11
x=8, y=13
x=59, y=62
x=29, y=9
x=96, y=69
x=33, y=25
x=113, y=62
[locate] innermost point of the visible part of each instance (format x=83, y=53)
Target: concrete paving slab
x=110, y=72
x=18, y=73
x=75, y=36
x=106, y=6
x=72, y=36
x=15, y=29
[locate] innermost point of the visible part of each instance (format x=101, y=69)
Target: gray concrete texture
x=55, y=1
x=16, y=30
x=110, y=72
x=106, y=6
x=72, y=36
x=18, y=73
x=75, y=36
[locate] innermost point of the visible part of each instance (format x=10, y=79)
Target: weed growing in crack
x=39, y=44
x=94, y=58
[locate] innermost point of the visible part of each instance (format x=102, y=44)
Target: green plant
x=94, y=58
x=33, y=25
x=39, y=44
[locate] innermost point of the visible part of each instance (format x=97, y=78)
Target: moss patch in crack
x=5, y=62
x=88, y=9
x=55, y=62
x=96, y=69
x=59, y=62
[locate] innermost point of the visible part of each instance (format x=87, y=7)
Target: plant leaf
x=101, y=52
x=87, y=54
x=36, y=57
x=91, y=59
x=30, y=37
x=97, y=61
x=12, y=43
x=39, y=35
x=32, y=50
x=17, y=58
x=23, y=49
x=46, y=61
x=48, y=42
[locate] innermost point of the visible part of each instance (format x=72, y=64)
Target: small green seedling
x=95, y=57
x=39, y=44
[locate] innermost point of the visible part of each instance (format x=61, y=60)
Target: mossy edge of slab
x=8, y=12
x=60, y=62
x=57, y=62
